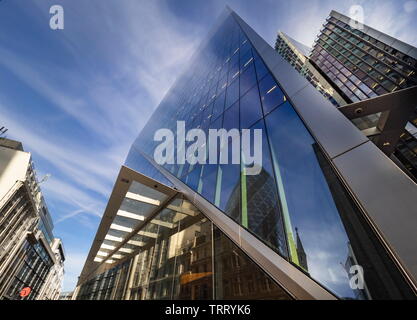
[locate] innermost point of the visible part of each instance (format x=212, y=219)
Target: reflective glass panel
x=261, y=213
x=219, y=104
x=227, y=196
x=247, y=79
x=316, y=237
x=238, y=277
x=232, y=93
x=271, y=94
x=250, y=108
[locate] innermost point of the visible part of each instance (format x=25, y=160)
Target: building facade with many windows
x=361, y=63
x=301, y=228
x=381, y=63
x=26, y=239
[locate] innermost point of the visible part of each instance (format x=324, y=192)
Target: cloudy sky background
x=78, y=97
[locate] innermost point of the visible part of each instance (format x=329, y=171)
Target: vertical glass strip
x=292, y=249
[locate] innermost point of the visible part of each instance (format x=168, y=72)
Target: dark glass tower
x=364, y=63
x=210, y=230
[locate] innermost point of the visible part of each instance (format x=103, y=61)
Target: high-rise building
x=327, y=216
x=382, y=64
x=297, y=55
x=361, y=63
x=27, y=246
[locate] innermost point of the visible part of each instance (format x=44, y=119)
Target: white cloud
x=120, y=63
x=69, y=194
x=392, y=19
x=92, y=169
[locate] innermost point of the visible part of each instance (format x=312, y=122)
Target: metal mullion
x=137, y=229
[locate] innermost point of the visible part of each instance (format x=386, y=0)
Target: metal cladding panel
x=386, y=39
x=402, y=46
x=413, y=53
x=284, y=72
x=329, y=126
x=339, y=16
x=373, y=33
x=388, y=196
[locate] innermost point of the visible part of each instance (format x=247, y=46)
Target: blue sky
x=78, y=97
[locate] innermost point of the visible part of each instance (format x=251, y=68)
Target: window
x=261, y=69
x=247, y=79
x=232, y=93
x=271, y=94
x=301, y=178
x=193, y=177
x=227, y=283
x=245, y=59
x=260, y=204
x=250, y=108
x=218, y=105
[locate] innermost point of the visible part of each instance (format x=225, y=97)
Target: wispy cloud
x=119, y=64
x=303, y=21
x=393, y=18
x=92, y=169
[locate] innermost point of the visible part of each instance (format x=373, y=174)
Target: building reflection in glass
x=238, y=277
x=178, y=264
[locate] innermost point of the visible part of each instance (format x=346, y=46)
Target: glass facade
x=296, y=205
x=102, y=286
x=45, y=231
x=362, y=66
x=187, y=259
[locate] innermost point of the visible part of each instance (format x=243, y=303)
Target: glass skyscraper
x=296, y=230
